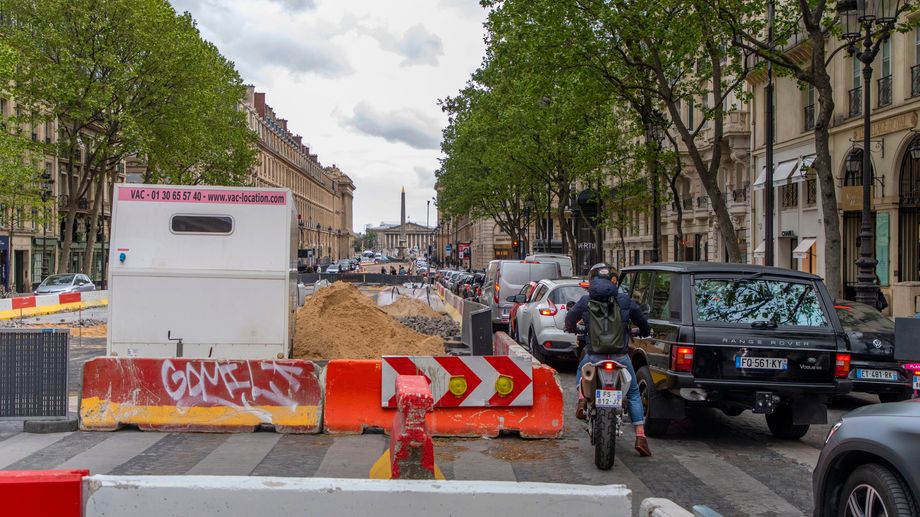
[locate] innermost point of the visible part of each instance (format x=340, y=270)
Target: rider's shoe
x=642, y=446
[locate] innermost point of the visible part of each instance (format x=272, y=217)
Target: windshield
x=776, y=302
x=859, y=316
x=564, y=295
x=58, y=280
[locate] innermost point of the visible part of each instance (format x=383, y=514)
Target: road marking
x=472, y=462
x=801, y=453
x=238, y=456
x=748, y=495
x=24, y=444
x=118, y=449
x=351, y=456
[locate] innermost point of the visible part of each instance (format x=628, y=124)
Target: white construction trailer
x=202, y=272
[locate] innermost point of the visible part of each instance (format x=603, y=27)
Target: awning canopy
x=800, y=174
x=759, y=250
x=781, y=173
x=804, y=248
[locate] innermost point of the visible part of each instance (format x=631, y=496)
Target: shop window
x=790, y=195
x=811, y=192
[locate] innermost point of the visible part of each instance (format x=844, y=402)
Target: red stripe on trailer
x=42, y=493
x=456, y=367
x=505, y=366
x=23, y=302
x=69, y=298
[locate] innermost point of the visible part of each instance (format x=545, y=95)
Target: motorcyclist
x=602, y=285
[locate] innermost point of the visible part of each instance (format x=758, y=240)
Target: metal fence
x=33, y=373
x=363, y=278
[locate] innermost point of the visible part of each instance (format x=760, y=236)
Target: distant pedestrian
x=383, y=270
x=392, y=270
x=402, y=270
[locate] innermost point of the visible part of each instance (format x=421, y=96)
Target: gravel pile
x=443, y=327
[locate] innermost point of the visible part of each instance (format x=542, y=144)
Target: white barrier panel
x=205, y=496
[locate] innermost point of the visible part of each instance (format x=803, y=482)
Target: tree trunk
x=10, y=255
x=679, y=223
x=70, y=218
x=93, y=226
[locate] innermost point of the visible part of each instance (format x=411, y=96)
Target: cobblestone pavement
x=732, y=464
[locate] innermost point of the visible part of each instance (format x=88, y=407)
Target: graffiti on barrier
x=231, y=384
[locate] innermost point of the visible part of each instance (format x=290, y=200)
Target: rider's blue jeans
x=633, y=400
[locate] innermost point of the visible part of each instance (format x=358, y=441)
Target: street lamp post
x=46, y=185
x=868, y=22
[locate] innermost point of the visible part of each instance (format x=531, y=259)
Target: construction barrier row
x=42, y=493
x=25, y=306
x=205, y=395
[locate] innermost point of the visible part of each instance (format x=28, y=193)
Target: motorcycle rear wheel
x=605, y=436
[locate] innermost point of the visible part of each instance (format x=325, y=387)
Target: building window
x=884, y=82
x=809, y=111
x=690, y=123
x=704, y=108
x=915, y=70
x=790, y=195
x=811, y=192
x=855, y=94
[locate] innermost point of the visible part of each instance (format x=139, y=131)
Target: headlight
x=832, y=431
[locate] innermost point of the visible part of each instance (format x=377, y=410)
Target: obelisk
x=403, y=255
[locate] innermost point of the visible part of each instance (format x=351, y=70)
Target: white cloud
x=408, y=126
x=417, y=45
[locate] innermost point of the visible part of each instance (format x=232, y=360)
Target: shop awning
x=781, y=173
x=804, y=248
x=800, y=174
x=759, y=250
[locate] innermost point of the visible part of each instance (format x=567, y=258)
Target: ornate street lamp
x=868, y=22
x=914, y=149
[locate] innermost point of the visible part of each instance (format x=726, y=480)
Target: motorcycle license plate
x=876, y=375
x=608, y=398
x=761, y=363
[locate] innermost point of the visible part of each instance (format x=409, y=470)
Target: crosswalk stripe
x=24, y=444
x=472, y=462
x=351, y=456
x=799, y=452
x=119, y=448
x=238, y=456
x=748, y=495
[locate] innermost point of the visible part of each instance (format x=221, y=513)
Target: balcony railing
x=740, y=195
x=915, y=80
x=809, y=117
x=855, y=102
x=702, y=202
x=688, y=203
x=884, y=91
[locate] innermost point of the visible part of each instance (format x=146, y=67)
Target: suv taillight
x=842, y=366
x=682, y=358
x=549, y=311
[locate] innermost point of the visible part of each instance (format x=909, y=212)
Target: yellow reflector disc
x=504, y=385
x=457, y=385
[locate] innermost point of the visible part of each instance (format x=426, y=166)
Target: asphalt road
x=731, y=464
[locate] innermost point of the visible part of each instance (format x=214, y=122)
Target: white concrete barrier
x=205, y=496
x=658, y=507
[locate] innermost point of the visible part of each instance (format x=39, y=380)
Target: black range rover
x=737, y=337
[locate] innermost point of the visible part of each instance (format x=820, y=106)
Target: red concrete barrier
x=411, y=448
x=23, y=302
x=353, y=396
x=42, y=493
x=206, y=395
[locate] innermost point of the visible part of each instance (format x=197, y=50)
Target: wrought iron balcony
x=702, y=202
x=809, y=117
x=884, y=91
x=740, y=195
x=855, y=102
x=915, y=80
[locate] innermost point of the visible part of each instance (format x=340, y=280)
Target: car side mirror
x=646, y=309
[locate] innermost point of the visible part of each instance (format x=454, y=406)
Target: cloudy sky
x=359, y=79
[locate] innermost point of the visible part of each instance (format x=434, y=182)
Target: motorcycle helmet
x=602, y=270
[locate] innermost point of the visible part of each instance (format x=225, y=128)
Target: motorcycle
x=604, y=385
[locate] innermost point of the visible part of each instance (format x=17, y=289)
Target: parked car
x=737, y=337
x=872, y=365
x=564, y=261
x=870, y=463
x=520, y=299
x=507, y=277
x=344, y=265
x=540, y=320
x=65, y=283
x=473, y=288
x=333, y=269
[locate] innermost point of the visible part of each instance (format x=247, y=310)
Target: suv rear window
x=776, y=302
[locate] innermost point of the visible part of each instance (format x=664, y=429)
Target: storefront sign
x=882, y=235
x=888, y=125
x=851, y=199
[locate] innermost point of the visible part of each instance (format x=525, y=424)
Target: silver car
x=540, y=322
x=65, y=283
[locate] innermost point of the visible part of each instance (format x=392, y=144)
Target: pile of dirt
x=444, y=327
x=339, y=322
x=405, y=307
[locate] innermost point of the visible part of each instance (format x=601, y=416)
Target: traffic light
x=516, y=248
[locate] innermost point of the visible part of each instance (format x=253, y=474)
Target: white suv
x=541, y=319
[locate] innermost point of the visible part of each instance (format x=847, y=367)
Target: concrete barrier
x=353, y=404
x=502, y=344
x=206, y=395
x=205, y=496
x=658, y=507
x=25, y=306
x=42, y=493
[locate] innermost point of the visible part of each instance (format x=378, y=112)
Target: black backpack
x=605, y=326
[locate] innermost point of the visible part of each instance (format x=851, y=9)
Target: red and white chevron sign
x=480, y=381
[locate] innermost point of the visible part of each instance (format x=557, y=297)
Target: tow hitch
x=765, y=402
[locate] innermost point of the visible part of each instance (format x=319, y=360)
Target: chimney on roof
x=299, y=140
x=260, y=103
x=283, y=122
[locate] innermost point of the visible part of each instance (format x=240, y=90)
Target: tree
x=123, y=77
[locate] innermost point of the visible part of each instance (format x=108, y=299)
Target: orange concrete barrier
x=353, y=404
